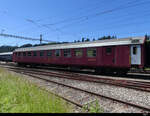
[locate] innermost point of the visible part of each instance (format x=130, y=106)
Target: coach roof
x=112, y=42
x=6, y=53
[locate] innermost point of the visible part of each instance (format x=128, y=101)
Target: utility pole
x=41, y=39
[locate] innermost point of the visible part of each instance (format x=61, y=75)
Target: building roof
x=98, y=43
x=6, y=53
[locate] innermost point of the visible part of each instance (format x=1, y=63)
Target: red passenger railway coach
x=103, y=55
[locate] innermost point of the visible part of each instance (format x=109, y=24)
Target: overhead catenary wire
x=105, y=12
x=56, y=29
x=126, y=7
x=87, y=17
x=130, y=4
x=35, y=22
x=128, y=20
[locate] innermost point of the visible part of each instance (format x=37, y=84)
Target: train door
x=108, y=56
x=136, y=55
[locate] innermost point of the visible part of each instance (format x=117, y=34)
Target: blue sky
x=69, y=20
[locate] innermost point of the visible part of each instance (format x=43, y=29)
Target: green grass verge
x=19, y=96
x=147, y=69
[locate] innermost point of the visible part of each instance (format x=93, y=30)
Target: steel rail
x=87, y=76
x=138, y=82
x=89, y=92
x=130, y=86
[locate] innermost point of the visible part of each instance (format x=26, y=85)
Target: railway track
x=130, y=75
x=137, y=85
x=74, y=76
x=82, y=90
x=140, y=71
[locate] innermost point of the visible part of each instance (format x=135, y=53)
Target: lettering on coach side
x=91, y=60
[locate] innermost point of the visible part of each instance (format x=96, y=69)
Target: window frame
x=108, y=50
x=19, y=54
x=30, y=54
x=51, y=53
x=88, y=49
x=24, y=54
x=59, y=53
x=42, y=53
x=78, y=50
x=34, y=53
x=68, y=53
x=134, y=50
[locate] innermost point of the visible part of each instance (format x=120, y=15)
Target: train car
x=102, y=55
x=7, y=56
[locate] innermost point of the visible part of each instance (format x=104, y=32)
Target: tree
x=93, y=39
x=108, y=37
x=26, y=45
x=99, y=38
x=146, y=37
x=113, y=37
x=87, y=39
x=83, y=39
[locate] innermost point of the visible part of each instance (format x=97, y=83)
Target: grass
x=19, y=96
x=93, y=107
x=147, y=69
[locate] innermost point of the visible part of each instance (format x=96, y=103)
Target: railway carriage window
x=78, y=53
x=34, y=53
x=91, y=52
x=108, y=51
x=49, y=53
x=16, y=54
x=57, y=53
x=67, y=53
x=134, y=50
x=41, y=53
x=19, y=54
x=24, y=53
x=29, y=53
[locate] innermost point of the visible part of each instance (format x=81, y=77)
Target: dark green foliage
x=83, y=39
x=107, y=37
x=12, y=48
x=147, y=37
x=93, y=39
x=26, y=45
x=87, y=39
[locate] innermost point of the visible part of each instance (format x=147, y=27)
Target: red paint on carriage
x=110, y=56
